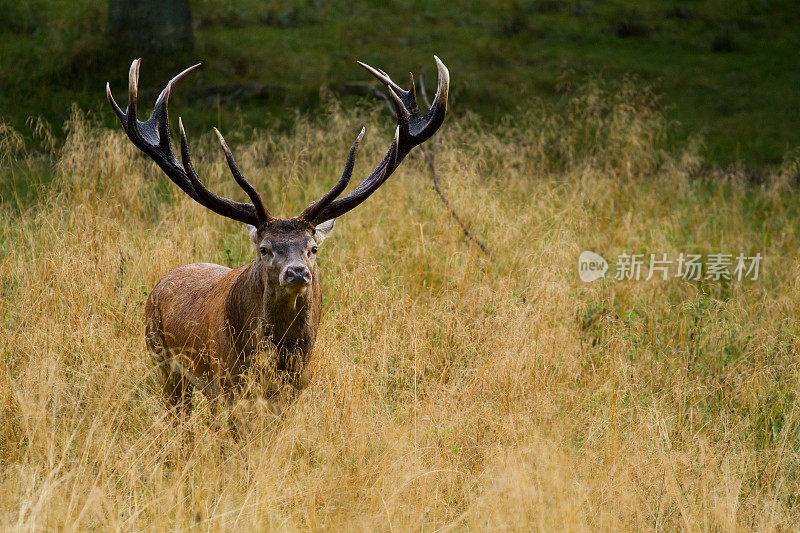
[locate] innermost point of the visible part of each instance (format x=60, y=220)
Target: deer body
x=205, y=323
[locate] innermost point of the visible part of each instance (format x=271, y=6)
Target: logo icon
x=591, y=266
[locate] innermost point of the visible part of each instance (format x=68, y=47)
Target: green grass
x=727, y=70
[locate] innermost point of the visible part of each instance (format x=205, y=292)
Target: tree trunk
x=150, y=25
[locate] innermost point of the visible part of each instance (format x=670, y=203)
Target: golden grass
x=451, y=392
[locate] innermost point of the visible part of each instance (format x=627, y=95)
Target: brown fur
x=206, y=322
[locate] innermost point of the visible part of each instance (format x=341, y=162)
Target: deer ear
x=324, y=230
x=253, y=233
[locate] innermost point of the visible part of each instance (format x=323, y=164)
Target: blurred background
x=726, y=72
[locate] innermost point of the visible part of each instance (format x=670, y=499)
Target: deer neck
x=270, y=314
x=286, y=317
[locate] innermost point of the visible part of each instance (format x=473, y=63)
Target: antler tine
x=133, y=93
x=130, y=111
x=382, y=77
x=412, y=130
x=263, y=214
x=204, y=196
x=153, y=138
x=383, y=170
x=412, y=92
x=438, y=109
x=312, y=209
x=114, y=106
x=188, y=166
x=397, y=94
x=160, y=114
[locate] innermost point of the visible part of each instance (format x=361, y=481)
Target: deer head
x=285, y=248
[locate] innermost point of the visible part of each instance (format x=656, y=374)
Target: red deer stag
x=206, y=322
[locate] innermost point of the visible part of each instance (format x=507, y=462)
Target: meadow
x=452, y=391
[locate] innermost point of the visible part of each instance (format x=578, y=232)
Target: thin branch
x=386, y=101
x=430, y=158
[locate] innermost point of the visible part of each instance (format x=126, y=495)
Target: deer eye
x=264, y=250
x=313, y=249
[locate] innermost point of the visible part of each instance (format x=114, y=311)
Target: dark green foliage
x=727, y=69
x=150, y=25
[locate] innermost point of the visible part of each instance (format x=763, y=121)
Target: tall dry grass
x=451, y=392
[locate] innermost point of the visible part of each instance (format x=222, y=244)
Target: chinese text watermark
x=713, y=266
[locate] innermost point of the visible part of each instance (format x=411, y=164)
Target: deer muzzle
x=297, y=276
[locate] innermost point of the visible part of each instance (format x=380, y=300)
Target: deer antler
x=153, y=138
x=412, y=130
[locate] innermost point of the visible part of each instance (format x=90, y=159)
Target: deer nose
x=297, y=275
